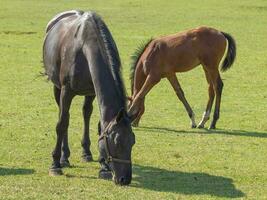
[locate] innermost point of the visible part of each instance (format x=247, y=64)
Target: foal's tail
x=231, y=52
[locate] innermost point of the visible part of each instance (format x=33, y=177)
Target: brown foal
x=164, y=56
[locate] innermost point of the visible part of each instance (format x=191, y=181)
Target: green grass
x=171, y=161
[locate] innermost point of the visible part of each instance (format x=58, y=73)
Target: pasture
x=170, y=160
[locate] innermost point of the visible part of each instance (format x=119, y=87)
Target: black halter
x=110, y=158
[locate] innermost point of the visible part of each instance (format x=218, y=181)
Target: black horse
x=81, y=58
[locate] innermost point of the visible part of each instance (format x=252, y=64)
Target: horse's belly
x=181, y=61
x=185, y=68
x=84, y=87
x=80, y=78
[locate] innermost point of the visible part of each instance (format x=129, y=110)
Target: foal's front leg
x=66, y=97
x=134, y=109
x=136, y=121
x=87, y=111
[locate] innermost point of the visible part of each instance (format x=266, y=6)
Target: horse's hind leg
x=57, y=95
x=87, y=111
x=66, y=97
x=218, y=87
x=180, y=94
x=64, y=160
x=206, y=114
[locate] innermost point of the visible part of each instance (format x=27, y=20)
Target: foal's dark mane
x=135, y=58
x=112, y=55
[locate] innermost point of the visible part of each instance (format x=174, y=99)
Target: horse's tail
x=231, y=52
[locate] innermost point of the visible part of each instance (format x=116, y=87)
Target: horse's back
x=211, y=45
x=185, y=50
x=60, y=16
x=56, y=31
x=64, y=59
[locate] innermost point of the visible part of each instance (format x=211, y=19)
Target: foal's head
x=115, y=146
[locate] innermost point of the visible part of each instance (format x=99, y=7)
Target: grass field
x=171, y=160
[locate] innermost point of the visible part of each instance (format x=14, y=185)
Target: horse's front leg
x=66, y=97
x=64, y=160
x=105, y=170
x=87, y=111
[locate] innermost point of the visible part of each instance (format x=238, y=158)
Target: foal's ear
x=120, y=115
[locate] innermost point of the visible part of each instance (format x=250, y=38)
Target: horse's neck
x=109, y=101
x=106, y=92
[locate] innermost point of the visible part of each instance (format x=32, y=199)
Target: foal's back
x=183, y=51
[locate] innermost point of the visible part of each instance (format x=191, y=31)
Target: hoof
x=55, y=172
x=64, y=163
x=200, y=126
x=107, y=175
x=193, y=126
x=87, y=158
x=212, y=127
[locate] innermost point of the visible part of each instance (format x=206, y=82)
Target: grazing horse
x=181, y=52
x=81, y=58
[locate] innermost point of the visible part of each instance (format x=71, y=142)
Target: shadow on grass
x=157, y=179
x=207, y=131
x=162, y=180
x=80, y=176
x=15, y=171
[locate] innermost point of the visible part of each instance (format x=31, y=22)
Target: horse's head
x=115, y=147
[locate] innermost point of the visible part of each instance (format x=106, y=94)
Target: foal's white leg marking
x=205, y=118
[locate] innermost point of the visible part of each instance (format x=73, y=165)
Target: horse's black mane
x=135, y=58
x=112, y=55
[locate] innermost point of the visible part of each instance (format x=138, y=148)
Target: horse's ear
x=120, y=115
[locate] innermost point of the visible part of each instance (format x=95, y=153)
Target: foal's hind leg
x=180, y=94
x=66, y=97
x=87, y=111
x=206, y=114
x=218, y=87
x=64, y=160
